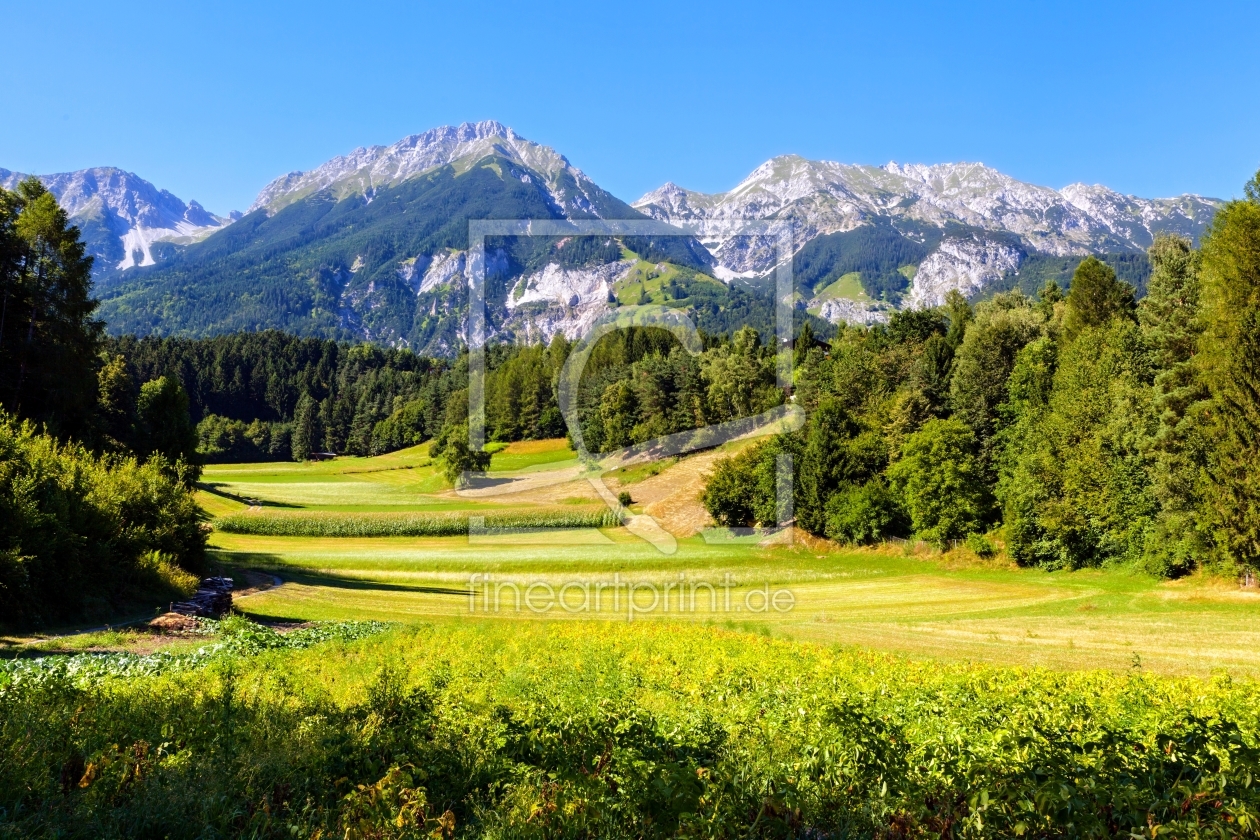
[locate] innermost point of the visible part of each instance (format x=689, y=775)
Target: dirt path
x=672, y=497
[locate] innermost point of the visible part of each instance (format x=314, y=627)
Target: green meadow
x=953, y=607
x=582, y=682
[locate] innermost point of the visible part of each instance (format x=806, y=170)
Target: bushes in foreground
x=83, y=535
x=651, y=730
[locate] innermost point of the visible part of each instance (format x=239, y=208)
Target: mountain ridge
x=371, y=244
x=123, y=218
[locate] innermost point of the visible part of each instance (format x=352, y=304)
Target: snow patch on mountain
x=967, y=264
x=130, y=214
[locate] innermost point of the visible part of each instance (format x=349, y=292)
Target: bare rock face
x=843, y=310
x=822, y=197
x=368, y=169
x=561, y=300
x=122, y=216
x=968, y=265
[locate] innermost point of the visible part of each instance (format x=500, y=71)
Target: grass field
x=806, y=690
x=951, y=607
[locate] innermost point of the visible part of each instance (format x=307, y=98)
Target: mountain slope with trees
x=1080, y=429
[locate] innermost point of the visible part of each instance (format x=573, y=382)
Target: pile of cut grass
x=456, y=523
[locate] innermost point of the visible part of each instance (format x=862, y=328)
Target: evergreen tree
x=305, y=427
x=1095, y=297
x=116, y=403
x=1000, y=329
x=48, y=338
x=1231, y=361
x=1172, y=323
x=838, y=452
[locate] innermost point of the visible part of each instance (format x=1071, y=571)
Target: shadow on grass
x=226, y=562
x=215, y=488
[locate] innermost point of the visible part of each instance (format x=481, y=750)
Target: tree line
x=1081, y=429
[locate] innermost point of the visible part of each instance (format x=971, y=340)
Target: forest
x=1080, y=429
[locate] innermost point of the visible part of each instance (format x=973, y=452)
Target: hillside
x=371, y=245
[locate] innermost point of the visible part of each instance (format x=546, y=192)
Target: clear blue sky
x=212, y=100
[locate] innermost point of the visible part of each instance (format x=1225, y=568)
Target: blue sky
x=212, y=100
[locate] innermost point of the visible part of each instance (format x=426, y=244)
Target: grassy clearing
x=528, y=454
x=916, y=605
x=648, y=730
x=847, y=286
x=926, y=607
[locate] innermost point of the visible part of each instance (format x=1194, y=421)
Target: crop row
x=328, y=524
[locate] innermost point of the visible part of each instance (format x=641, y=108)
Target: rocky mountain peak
x=121, y=215
x=369, y=168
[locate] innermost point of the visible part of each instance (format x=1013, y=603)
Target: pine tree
x=1172, y=323
x=1231, y=361
x=305, y=427
x=48, y=338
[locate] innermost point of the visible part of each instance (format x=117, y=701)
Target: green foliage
x=81, y=535
x=163, y=426
x=1172, y=323
x=838, y=451
x=743, y=490
x=1231, y=362
x=48, y=337
x=876, y=251
x=223, y=440
x=305, y=428
x=940, y=480
x=865, y=513
x=456, y=456
x=551, y=729
x=730, y=493
x=1076, y=485
x=1096, y=296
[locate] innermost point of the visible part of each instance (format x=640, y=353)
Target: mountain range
x=125, y=221
x=371, y=245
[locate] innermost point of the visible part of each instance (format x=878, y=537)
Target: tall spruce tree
x=1172, y=323
x=48, y=338
x=1231, y=361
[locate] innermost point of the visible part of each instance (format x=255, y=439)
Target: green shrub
x=980, y=545
x=84, y=535
x=864, y=514
x=594, y=729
